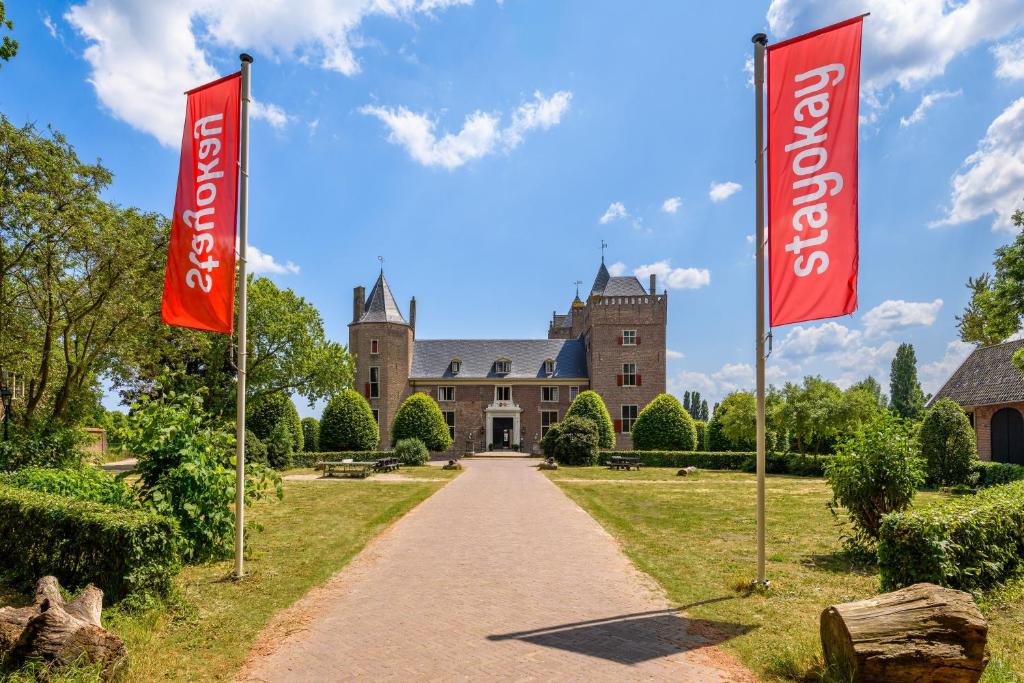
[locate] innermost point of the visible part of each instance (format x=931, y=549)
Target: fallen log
x=920, y=633
x=686, y=471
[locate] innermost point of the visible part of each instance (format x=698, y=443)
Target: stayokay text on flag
x=199, y=285
x=813, y=98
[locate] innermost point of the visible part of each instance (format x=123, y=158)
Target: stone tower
x=381, y=341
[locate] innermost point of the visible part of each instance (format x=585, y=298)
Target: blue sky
x=486, y=148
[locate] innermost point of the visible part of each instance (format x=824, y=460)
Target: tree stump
x=59, y=632
x=920, y=633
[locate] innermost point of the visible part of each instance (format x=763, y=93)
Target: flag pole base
x=761, y=586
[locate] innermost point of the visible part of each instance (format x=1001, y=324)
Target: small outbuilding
x=990, y=389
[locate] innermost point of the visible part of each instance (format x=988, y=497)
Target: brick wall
x=394, y=357
x=983, y=425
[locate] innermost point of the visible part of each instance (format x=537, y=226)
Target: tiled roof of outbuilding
x=988, y=376
x=431, y=358
x=381, y=306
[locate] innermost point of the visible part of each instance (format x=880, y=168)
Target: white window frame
x=502, y=388
x=632, y=334
x=628, y=422
x=456, y=366
x=631, y=375
x=545, y=427
x=552, y=394
x=442, y=391
x=549, y=367
x=374, y=347
x=374, y=383
x=451, y=425
x=502, y=366
x=573, y=393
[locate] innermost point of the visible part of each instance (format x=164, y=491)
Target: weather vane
x=381, y=259
x=604, y=245
x=578, y=283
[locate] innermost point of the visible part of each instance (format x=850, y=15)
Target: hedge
x=123, y=552
x=311, y=459
x=996, y=473
x=347, y=423
x=590, y=405
x=971, y=542
x=81, y=483
x=664, y=425
x=420, y=417
x=743, y=461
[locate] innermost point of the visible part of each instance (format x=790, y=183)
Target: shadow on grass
x=841, y=562
x=634, y=638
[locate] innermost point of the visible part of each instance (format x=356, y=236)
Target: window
x=549, y=394
x=547, y=419
x=629, y=337
x=373, y=386
x=502, y=366
x=456, y=366
x=573, y=393
x=376, y=416
x=449, y=418
x=446, y=393
x=549, y=367
x=374, y=347
x=628, y=418
x=629, y=376
x=502, y=393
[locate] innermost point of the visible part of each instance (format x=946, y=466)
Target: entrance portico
x=502, y=422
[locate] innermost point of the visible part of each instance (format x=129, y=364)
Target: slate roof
x=431, y=358
x=381, y=306
x=988, y=376
x=606, y=285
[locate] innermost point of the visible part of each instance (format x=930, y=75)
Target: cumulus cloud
x=614, y=212
x=719, y=192
x=927, y=102
x=675, y=278
x=261, y=262
x=671, y=353
x=990, y=180
x=895, y=314
x=672, y=204
x=836, y=346
x=271, y=113
x=1010, y=59
x=616, y=269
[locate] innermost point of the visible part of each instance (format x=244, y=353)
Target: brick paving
x=498, y=576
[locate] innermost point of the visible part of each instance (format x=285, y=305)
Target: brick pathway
x=498, y=576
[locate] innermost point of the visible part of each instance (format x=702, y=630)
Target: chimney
x=412, y=314
x=654, y=284
x=358, y=303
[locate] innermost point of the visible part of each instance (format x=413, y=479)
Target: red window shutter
x=638, y=340
x=638, y=382
x=367, y=390
x=619, y=339
x=618, y=426
x=618, y=378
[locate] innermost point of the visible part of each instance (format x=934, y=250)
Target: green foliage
x=42, y=446
x=573, y=441
x=590, y=405
x=664, y=425
x=124, y=552
x=997, y=302
x=82, y=482
x=310, y=434
x=971, y=542
x=280, y=446
x=347, y=424
x=995, y=473
x=411, y=452
x=715, y=439
x=8, y=46
x=947, y=444
x=796, y=464
x=905, y=392
x=738, y=418
x=255, y=449
x=875, y=472
x=264, y=414
x=701, y=428
x=419, y=417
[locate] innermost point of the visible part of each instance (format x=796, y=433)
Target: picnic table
x=624, y=462
x=347, y=468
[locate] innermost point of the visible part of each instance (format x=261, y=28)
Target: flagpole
x=243, y=226
x=760, y=40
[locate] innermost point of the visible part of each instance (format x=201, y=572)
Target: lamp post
x=6, y=394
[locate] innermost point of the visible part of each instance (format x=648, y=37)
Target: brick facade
x=981, y=418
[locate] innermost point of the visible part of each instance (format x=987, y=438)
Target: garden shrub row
x=126, y=553
x=742, y=461
x=996, y=473
x=82, y=482
x=311, y=459
x=973, y=541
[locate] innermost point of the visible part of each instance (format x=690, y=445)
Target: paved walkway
x=498, y=576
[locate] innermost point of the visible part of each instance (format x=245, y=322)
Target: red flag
x=199, y=285
x=813, y=107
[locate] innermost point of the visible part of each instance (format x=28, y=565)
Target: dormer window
x=549, y=367
x=502, y=366
x=456, y=366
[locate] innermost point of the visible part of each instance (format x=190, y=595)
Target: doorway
x=501, y=428
x=1008, y=436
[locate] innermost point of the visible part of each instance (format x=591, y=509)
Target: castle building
x=503, y=394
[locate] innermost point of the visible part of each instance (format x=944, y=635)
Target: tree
x=347, y=424
x=419, y=417
x=264, y=413
x=947, y=444
x=695, y=401
x=812, y=414
x=573, y=441
x=997, y=301
x=905, y=392
x=704, y=411
x=874, y=388
x=8, y=46
x=739, y=419
x=590, y=405
x=310, y=435
x=663, y=425
x=686, y=401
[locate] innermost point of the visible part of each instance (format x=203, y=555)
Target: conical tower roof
x=381, y=306
x=601, y=281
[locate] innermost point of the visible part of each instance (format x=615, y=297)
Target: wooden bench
x=624, y=462
x=341, y=468
x=387, y=464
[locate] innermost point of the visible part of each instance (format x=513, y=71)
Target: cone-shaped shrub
x=265, y=413
x=347, y=424
x=947, y=444
x=590, y=405
x=664, y=425
x=310, y=434
x=419, y=417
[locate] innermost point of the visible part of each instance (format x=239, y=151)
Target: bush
x=590, y=405
x=310, y=434
x=797, y=464
x=42, y=447
x=266, y=414
x=969, y=543
x=279, y=446
x=411, y=452
x=574, y=442
x=701, y=428
x=947, y=444
x=347, y=424
x=255, y=449
x=123, y=552
x=717, y=442
x=419, y=417
x=664, y=425
x=995, y=473
x=83, y=482
x=874, y=472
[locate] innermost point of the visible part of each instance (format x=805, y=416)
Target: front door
x=502, y=431
x=1007, y=429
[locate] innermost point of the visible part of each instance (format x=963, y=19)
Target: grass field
x=695, y=536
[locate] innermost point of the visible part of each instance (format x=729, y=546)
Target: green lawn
x=695, y=536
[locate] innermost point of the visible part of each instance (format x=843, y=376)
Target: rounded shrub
x=947, y=444
x=590, y=405
x=347, y=424
x=664, y=425
x=310, y=434
x=575, y=442
x=255, y=449
x=265, y=414
x=419, y=417
x=411, y=452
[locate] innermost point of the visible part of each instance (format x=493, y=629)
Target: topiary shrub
x=411, y=452
x=279, y=446
x=663, y=425
x=873, y=473
x=265, y=413
x=310, y=435
x=702, y=435
x=255, y=449
x=419, y=417
x=82, y=482
x=575, y=442
x=590, y=405
x=347, y=424
x=947, y=444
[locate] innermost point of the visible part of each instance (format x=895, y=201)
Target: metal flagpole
x=243, y=225
x=760, y=40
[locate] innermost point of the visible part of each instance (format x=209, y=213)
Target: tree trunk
x=920, y=633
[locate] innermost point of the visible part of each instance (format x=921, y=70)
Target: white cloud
x=675, y=278
x=614, y=212
x=926, y=103
x=480, y=135
x=896, y=314
x=672, y=204
x=719, y=192
x=261, y=262
x=748, y=70
x=1010, y=59
x=271, y=113
x=934, y=375
x=671, y=353
x=991, y=180
x=616, y=269
x=143, y=55
x=50, y=26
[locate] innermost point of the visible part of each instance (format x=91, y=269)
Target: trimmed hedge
x=81, y=483
x=590, y=405
x=267, y=412
x=420, y=417
x=310, y=434
x=969, y=543
x=744, y=461
x=347, y=423
x=411, y=452
x=311, y=459
x=123, y=552
x=664, y=425
x=996, y=473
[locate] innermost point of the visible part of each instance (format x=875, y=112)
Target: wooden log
x=686, y=471
x=920, y=633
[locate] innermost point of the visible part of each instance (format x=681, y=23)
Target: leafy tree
x=419, y=417
x=573, y=441
x=266, y=412
x=701, y=430
x=663, y=425
x=716, y=440
x=871, y=385
x=947, y=444
x=997, y=301
x=310, y=434
x=703, y=411
x=905, y=391
x=686, y=401
x=590, y=405
x=412, y=452
x=860, y=404
x=695, y=401
x=8, y=46
x=739, y=420
x=812, y=413
x=347, y=424
x=255, y=449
